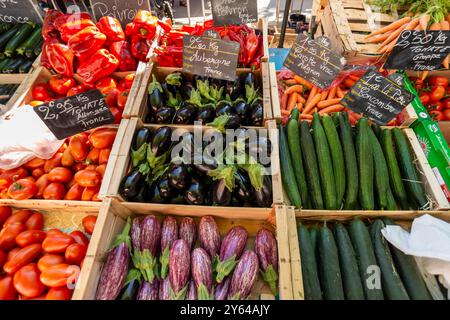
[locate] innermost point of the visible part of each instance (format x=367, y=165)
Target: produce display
x=338, y=262
x=6, y=92
x=182, y=100
x=75, y=172
x=199, y=179
x=330, y=166
x=20, y=44
x=39, y=264
x=179, y=260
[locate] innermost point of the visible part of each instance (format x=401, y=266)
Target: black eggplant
x=234, y=89
x=154, y=195
x=130, y=291
x=243, y=189
x=259, y=147
x=174, y=81
x=186, y=89
x=263, y=197
x=161, y=141
x=248, y=79
x=205, y=114
x=185, y=115
x=221, y=196
x=142, y=196
x=243, y=110
x=179, y=199
x=164, y=115
x=195, y=194
x=257, y=115
x=179, y=177
x=233, y=122
x=188, y=143
x=224, y=107
x=131, y=184
x=203, y=163
x=164, y=188
x=156, y=97
x=141, y=136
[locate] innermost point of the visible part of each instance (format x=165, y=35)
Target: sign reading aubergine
x=19, y=11
x=234, y=12
x=124, y=11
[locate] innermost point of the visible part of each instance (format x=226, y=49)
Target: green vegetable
x=13, y=65
x=391, y=204
x=365, y=165
x=313, y=234
x=25, y=66
x=24, y=32
x=5, y=37
x=381, y=171
x=38, y=48
x=3, y=63
x=30, y=43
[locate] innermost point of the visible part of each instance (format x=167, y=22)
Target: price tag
x=228, y=12
x=19, y=11
x=314, y=61
x=124, y=11
x=210, y=57
x=377, y=97
x=419, y=50
x=69, y=116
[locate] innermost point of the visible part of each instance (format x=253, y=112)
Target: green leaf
x=224, y=268
x=204, y=89
x=203, y=293
x=144, y=168
x=164, y=260
x=137, y=156
x=220, y=122
x=133, y=274
x=270, y=276
x=178, y=295
x=154, y=161
x=256, y=174
x=123, y=237
x=172, y=101
x=250, y=93
x=226, y=173
x=195, y=98
x=155, y=85
x=174, y=79
x=148, y=263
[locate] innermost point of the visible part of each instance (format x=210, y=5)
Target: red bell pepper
x=86, y=42
x=48, y=28
x=242, y=59
x=145, y=24
x=251, y=45
x=127, y=82
x=99, y=65
x=122, y=51
x=256, y=62
x=165, y=24
x=70, y=24
x=80, y=88
x=60, y=58
x=106, y=82
x=129, y=30
x=44, y=57
x=111, y=28
x=139, y=48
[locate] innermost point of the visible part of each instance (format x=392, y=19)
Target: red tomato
x=96, y=198
x=26, y=281
x=49, y=260
x=60, y=174
x=111, y=95
x=103, y=138
x=57, y=243
x=89, y=223
x=80, y=88
x=61, y=84
x=446, y=103
x=419, y=84
x=19, y=216
x=63, y=147
x=23, y=257
x=59, y=293
x=42, y=182
x=2, y=258
x=67, y=160
x=53, y=162
x=89, y=193
x=446, y=114
x=54, y=231
x=437, y=105
x=78, y=147
x=7, y=290
x=8, y=235
x=9, y=176
x=128, y=80
x=438, y=81
x=92, y=157
x=437, y=93
x=41, y=91
x=75, y=253
x=5, y=213
x=22, y=189
x=117, y=114
x=79, y=166
x=106, y=82
x=38, y=172
x=30, y=237
x=54, y=191
x=424, y=98
x=34, y=164
x=35, y=222
x=122, y=98
x=74, y=193
x=59, y=275
x=101, y=169
x=79, y=237
x=436, y=115
x=104, y=156
x=88, y=178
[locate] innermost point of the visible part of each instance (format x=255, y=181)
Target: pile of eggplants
x=181, y=100
x=155, y=178
x=200, y=265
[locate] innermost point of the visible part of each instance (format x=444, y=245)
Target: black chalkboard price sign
x=377, y=97
x=419, y=50
x=68, y=116
x=19, y=11
x=314, y=61
x=210, y=57
x=124, y=11
x=229, y=12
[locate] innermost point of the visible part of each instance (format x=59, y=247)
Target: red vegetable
x=75, y=253
x=22, y=257
x=8, y=235
x=99, y=65
x=5, y=213
x=209, y=236
x=60, y=58
x=86, y=42
x=26, y=281
x=145, y=24
x=111, y=28
x=70, y=24
x=48, y=28
x=139, y=48
x=89, y=223
x=59, y=293
x=60, y=275
x=179, y=269
x=438, y=81
x=22, y=189
x=7, y=290
x=29, y=237
x=56, y=243
x=191, y=293
x=41, y=91
x=122, y=51
x=164, y=289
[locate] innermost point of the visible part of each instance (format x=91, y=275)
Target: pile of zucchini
x=332, y=165
x=355, y=262
x=20, y=44
x=6, y=92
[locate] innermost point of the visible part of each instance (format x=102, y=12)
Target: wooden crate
x=112, y=220
x=347, y=22
x=288, y=40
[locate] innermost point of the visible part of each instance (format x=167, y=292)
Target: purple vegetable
x=221, y=290
x=208, y=233
x=136, y=234
x=230, y=251
x=244, y=276
x=188, y=231
x=179, y=268
x=191, y=291
x=164, y=289
x=115, y=269
x=202, y=273
x=266, y=249
x=148, y=291
x=168, y=235
x=150, y=242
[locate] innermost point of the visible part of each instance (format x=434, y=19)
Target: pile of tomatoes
x=116, y=92
x=75, y=172
x=434, y=93
x=38, y=264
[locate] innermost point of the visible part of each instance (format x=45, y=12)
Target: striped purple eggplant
x=169, y=234
x=164, y=289
x=230, y=251
x=136, y=234
x=188, y=231
x=179, y=268
x=209, y=236
x=150, y=243
x=266, y=249
x=244, y=276
x=221, y=290
x=148, y=291
x=201, y=270
x=191, y=291
x=115, y=269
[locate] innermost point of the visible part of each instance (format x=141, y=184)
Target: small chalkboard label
x=419, y=50
x=377, y=97
x=124, y=11
x=68, y=116
x=212, y=34
x=210, y=57
x=19, y=11
x=314, y=61
x=229, y=12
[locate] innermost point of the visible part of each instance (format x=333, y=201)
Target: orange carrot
x=295, y=88
x=393, y=26
x=302, y=81
x=306, y=116
x=339, y=92
x=327, y=103
x=379, y=37
x=300, y=106
x=424, y=75
x=312, y=93
x=423, y=21
x=291, y=82
x=332, y=93
x=300, y=99
x=394, y=35
x=333, y=108
x=284, y=101
x=285, y=113
x=292, y=101
x=445, y=25
x=435, y=26
x=324, y=95
x=412, y=24
x=388, y=48
x=311, y=103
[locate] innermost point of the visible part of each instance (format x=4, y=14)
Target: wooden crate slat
x=357, y=4
x=294, y=253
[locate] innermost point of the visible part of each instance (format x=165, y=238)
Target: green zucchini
x=381, y=171
x=24, y=32
x=38, y=48
x=287, y=171
x=25, y=67
x=395, y=177
x=13, y=66
x=5, y=37
x=337, y=156
x=311, y=284
x=409, y=272
x=313, y=233
x=392, y=284
x=410, y=175
x=293, y=136
x=367, y=263
x=365, y=165
x=27, y=48
x=311, y=168
x=391, y=204
x=377, y=130
x=3, y=63
x=325, y=164
x=349, y=266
